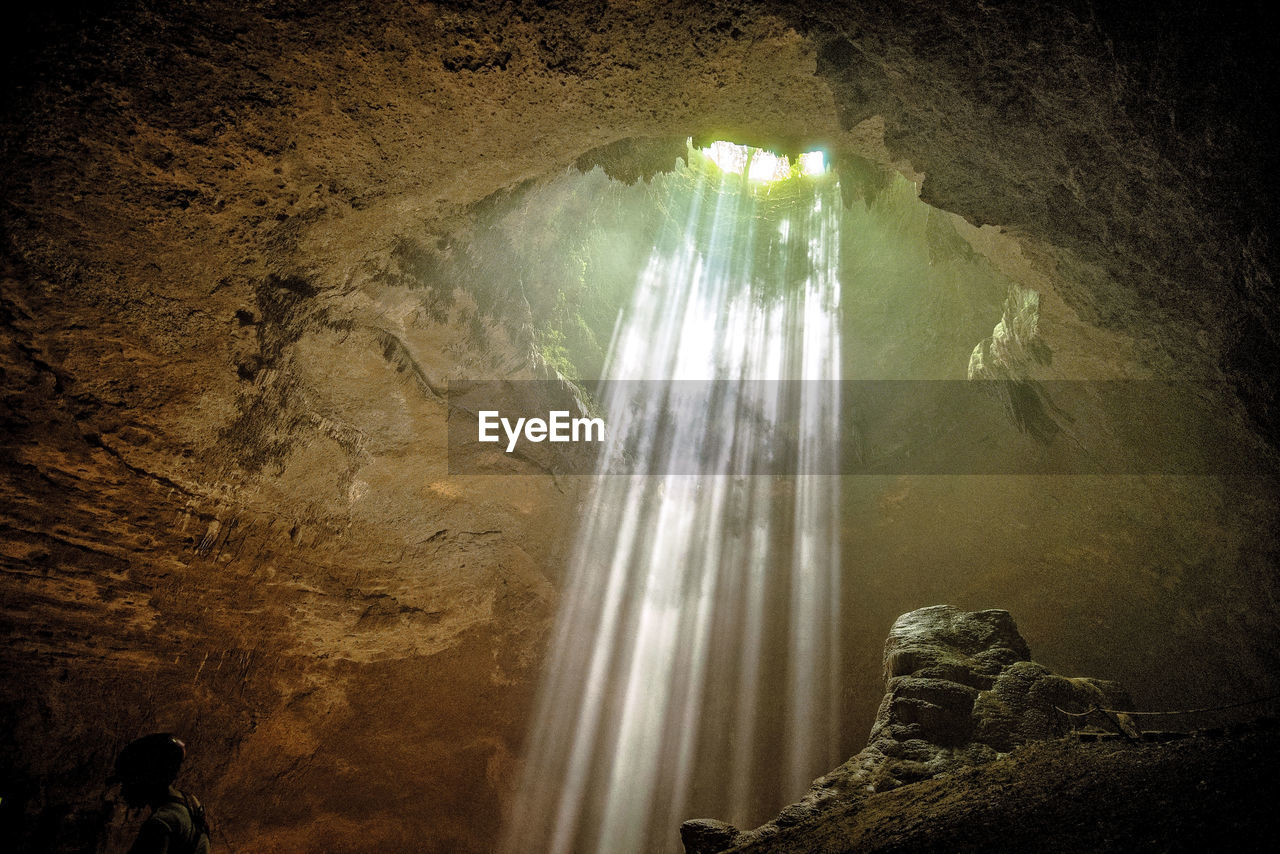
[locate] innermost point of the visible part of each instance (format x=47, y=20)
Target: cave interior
x=252, y=250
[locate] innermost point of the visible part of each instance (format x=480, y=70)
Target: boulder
x=707, y=836
x=960, y=690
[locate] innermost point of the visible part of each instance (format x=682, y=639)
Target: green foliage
x=566, y=341
x=553, y=351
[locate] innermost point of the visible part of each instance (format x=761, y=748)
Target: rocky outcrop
x=1208, y=793
x=960, y=691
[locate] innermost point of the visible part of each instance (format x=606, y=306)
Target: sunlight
x=762, y=165
x=681, y=581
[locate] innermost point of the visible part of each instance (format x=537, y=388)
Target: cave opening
x=759, y=164
x=699, y=634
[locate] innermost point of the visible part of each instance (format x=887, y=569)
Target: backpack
x=202, y=838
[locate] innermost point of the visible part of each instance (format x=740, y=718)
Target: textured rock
x=707, y=836
x=961, y=688
x=1196, y=794
x=960, y=691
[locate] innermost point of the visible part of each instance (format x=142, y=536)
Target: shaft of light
x=692, y=602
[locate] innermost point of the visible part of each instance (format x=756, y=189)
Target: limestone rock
x=706, y=836
x=960, y=690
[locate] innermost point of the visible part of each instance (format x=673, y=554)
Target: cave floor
x=1196, y=794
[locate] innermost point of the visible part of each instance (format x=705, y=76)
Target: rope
x=1093, y=709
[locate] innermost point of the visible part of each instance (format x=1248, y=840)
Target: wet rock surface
x=960, y=691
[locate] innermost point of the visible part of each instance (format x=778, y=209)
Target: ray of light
x=700, y=625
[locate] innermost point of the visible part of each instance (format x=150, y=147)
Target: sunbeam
x=700, y=619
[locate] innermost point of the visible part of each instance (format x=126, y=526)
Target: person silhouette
x=146, y=769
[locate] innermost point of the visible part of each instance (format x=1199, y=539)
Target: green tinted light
x=762, y=165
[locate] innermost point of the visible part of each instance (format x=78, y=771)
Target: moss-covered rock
x=960, y=690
